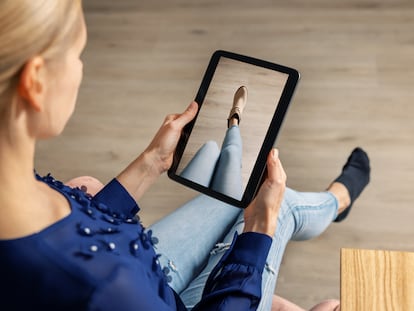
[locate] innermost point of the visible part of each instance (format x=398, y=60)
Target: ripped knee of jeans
x=270, y=269
x=172, y=266
x=219, y=248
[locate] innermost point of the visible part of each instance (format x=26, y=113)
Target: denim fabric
x=219, y=169
x=194, y=237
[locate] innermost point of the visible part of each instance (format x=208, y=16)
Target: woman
x=63, y=249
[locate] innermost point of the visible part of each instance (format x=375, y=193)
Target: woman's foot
x=239, y=102
x=281, y=304
x=327, y=305
x=351, y=182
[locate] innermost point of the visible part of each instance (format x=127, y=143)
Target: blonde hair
x=29, y=28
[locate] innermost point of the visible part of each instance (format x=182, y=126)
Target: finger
x=281, y=170
x=275, y=171
x=182, y=118
x=187, y=115
x=171, y=117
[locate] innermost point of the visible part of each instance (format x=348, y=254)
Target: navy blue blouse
x=100, y=258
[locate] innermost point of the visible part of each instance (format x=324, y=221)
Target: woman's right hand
x=261, y=215
x=163, y=145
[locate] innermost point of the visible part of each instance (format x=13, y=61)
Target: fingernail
x=275, y=153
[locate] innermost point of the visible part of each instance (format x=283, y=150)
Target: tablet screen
x=242, y=103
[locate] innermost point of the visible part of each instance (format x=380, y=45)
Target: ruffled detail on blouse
x=109, y=211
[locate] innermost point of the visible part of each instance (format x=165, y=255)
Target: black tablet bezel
x=259, y=168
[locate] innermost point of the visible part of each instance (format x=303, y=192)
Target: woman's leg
x=327, y=305
x=203, y=219
x=229, y=165
x=281, y=304
x=302, y=216
x=216, y=168
x=201, y=167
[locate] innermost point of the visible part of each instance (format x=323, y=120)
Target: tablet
x=242, y=103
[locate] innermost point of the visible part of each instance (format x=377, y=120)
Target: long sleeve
x=235, y=283
x=117, y=198
x=99, y=257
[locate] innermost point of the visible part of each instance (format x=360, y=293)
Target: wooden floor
x=145, y=59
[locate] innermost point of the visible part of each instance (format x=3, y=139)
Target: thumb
x=275, y=173
x=188, y=114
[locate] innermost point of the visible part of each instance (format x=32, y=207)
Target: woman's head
x=39, y=43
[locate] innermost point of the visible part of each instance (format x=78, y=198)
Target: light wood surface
x=145, y=59
x=377, y=280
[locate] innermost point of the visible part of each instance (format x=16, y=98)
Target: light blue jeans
x=193, y=238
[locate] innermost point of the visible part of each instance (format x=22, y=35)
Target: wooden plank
x=377, y=280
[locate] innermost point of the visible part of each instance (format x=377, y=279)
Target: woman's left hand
x=163, y=145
